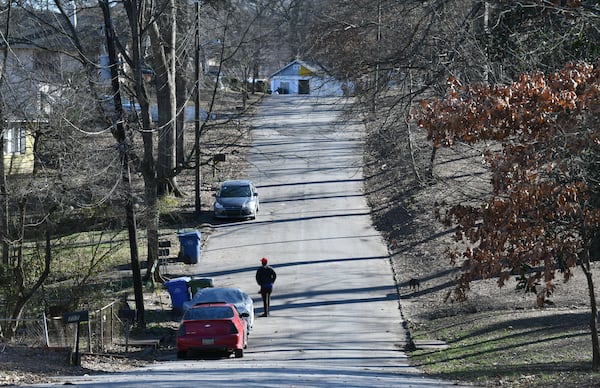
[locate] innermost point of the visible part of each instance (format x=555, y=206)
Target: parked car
x=236, y=199
x=241, y=300
x=212, y=327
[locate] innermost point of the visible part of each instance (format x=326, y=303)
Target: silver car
x=236, y=199
x=242, y=301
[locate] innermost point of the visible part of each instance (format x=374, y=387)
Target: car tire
x=181, y=355
x=238, y=353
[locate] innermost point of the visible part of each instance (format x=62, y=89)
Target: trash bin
x=199, y=282
x=190, y=246
x=179, y=290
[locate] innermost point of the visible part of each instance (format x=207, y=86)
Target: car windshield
x=235, y=191
x=215, y=312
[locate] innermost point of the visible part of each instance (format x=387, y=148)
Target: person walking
x=265, y=277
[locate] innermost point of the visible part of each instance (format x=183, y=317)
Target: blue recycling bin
x=190, y=246
x=180, y=292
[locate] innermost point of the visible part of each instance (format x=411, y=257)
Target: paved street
x=335, y=319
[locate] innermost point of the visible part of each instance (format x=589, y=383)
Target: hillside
x=555, y=338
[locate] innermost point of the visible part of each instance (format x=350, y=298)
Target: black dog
x=414, y=284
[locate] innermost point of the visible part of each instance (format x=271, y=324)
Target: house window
x=14, y=141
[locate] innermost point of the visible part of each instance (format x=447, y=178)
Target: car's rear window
x=208, y=295
x=212, y=312
x=235, y=191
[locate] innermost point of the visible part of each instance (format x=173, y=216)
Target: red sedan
x=215, y=327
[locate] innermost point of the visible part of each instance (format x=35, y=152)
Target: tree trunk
x=181, y=92
x=19, y=274
x=166, y=136
x=3, y=192
x=431, y=161
x=3, y=208
x=148, y=166
x=411, y=150
x=165, y=165
x=184, y=26
x=585, y=266
x=151, y=198
x=121, y=135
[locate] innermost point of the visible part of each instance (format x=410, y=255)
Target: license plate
x=208, y=341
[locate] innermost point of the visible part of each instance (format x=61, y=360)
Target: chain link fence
x=103, y=330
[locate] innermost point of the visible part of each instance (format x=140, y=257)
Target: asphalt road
x=335, y=317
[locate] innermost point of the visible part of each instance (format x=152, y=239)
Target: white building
x=299, y=78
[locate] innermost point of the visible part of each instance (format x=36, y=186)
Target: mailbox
x=76, y=317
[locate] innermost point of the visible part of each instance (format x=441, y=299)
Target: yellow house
x=18, y=148
x=40, y=67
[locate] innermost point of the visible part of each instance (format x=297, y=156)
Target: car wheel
x=239, y=353
x=181, y=355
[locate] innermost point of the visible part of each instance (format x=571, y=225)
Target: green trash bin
x=196, y=283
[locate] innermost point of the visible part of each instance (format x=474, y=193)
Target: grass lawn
x=537, y=348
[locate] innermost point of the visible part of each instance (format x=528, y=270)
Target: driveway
x=335, y=317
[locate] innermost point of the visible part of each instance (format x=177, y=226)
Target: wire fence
x=103, y=330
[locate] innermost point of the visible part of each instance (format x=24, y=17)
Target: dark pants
x=265, y=293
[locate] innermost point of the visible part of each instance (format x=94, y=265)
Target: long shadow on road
x=252, y=269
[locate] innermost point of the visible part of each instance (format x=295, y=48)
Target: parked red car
x=214, y=327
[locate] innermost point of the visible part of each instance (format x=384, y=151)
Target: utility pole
x=198, y=174
x=121, y=136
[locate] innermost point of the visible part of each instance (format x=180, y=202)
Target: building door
x=303, y=86
x=284, y=87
